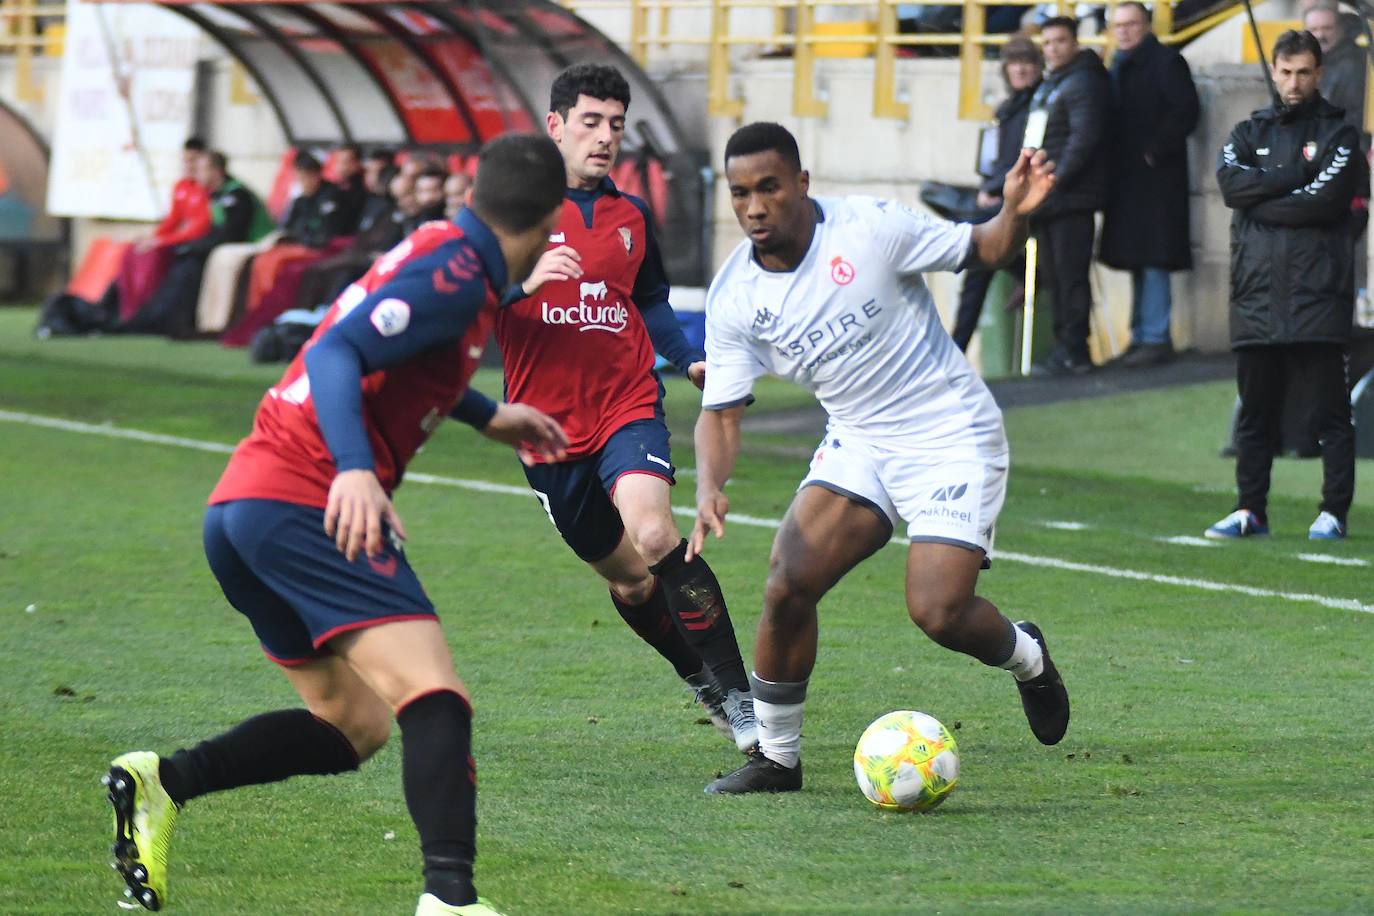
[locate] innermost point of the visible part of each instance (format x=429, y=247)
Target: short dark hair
x=433, y=170
x=1133, y=5
x=761, y=137
x=1292, y=43
x=194, y=145
x=305, y=161
x=597, y=81
x=218, y=162
x=1061, y=22
x=382, y=154
x=521, y=179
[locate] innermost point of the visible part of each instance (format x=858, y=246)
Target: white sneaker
x=1326, y=528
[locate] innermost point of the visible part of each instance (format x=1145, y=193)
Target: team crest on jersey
x=841, y=271
x=390, y=317
x=628, y=239
x=1309, y=150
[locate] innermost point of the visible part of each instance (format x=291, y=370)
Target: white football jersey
x=855, y=325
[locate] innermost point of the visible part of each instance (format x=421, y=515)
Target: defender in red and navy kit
x=578, y=340
x=305, y=542
x=391, y=359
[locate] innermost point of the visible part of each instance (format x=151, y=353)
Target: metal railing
x=801, y=37
x=28, y=27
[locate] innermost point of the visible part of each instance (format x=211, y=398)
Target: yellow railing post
x=1163, y=18
x=639, y=32
x=885, y=104
x=971, y=105
x=24, y=86
x=718, y=98
x=805, y=104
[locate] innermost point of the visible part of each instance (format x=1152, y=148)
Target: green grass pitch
x=1219, y=758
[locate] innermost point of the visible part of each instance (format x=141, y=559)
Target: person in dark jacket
x=236, y=215
x=1343, y=61
x=1289, y=173
x=1146, y=226
x=1022, y=66
x=350, y=181
x=1068, y=119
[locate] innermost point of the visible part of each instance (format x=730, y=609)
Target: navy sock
x=695, y=600
x=266, y=748
x=653, y=623
x=440, y=780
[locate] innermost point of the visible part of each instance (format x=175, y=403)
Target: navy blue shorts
x=577, y=494
x=280, y=570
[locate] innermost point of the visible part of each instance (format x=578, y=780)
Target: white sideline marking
x=1111, y=572
x=1186, y=540
x=1066, y=526
x=1334, y=561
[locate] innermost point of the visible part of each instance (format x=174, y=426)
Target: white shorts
x=943, y=498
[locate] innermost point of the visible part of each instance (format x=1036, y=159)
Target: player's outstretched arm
x=1025, y=188
x=717, y=446
x=531, y=431
x=355, y=512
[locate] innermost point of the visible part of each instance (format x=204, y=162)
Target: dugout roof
x=450, y=75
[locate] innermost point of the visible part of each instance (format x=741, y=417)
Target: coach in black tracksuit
x=1290, y=173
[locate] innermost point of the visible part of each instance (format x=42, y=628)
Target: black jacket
x=1011, y=129
x=1290, y=176
x=315, y=219
x=1155, y=109
x=234, y=209
x=1343, y=78
x=1075, y=99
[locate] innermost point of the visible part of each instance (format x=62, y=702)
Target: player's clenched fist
x=357, y=508
x=561, y=263
x=531, y=431
x=711, y=509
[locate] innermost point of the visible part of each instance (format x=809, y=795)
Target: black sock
x=696, y=602
x=440, y=781
x=653, y=623
x=265, y=748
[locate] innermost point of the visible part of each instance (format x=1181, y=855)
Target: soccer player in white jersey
x=827, y=292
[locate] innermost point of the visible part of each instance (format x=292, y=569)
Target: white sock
x=779, y=731
x=1027, y=661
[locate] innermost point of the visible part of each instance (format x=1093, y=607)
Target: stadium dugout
x=32, y=243
x=447, y=77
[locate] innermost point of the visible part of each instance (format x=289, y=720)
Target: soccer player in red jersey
x=578, y=343
x=303, y=537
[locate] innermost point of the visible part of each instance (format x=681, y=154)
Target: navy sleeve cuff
x=475, y=409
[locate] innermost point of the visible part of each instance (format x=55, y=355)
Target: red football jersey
x=578, y=349
x=436, y=269
x=189, y=216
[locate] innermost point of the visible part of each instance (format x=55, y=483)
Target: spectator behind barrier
x=1343, y=61
x=1289, y=174
x=236, y=215
x=1146, y=229
x=1068, y=119
x=1022, y=67
x=429, y=196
